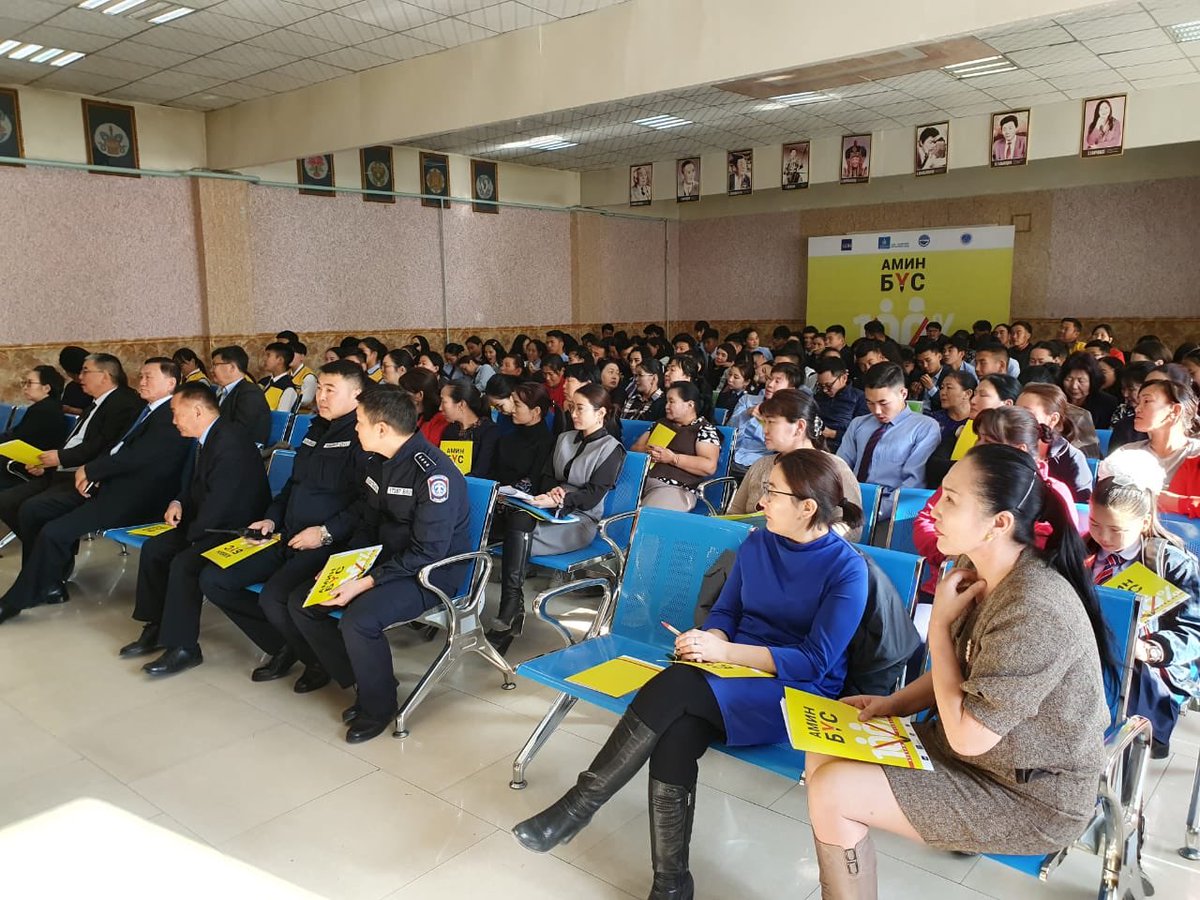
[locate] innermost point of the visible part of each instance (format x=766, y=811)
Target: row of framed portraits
x=1102, y=134
x=378, y=174
x=109, y=132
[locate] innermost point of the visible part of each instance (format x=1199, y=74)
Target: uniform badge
x=372, y=485
x=439, y=488
x=424, y=461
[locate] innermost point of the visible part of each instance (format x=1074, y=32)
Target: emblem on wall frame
x=485, y=186
x=11, y=141
x=377, y=174
x=314, y=173
x=435, y=179
x=110, y=131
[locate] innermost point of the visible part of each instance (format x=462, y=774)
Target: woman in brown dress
x=1019, y=658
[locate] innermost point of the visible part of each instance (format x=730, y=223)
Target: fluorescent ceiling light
x=46, y=55
x=117, y=8
x=987, y=65
x=67, y=58
x=1184, y=32
x=662, y=123
x=549, y=142
x=171, y=16
x=802, y=98
x=92, y=4
x=5, y=46
x=23, y=52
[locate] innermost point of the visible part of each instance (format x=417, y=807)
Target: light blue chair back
x=1093, y=465
x=481, y=495
x=1119, y=611
x=279, y=424
x=632, y=429
x=1104, y=436
x=6, y=414
x=17, y=416
x=1187, y=530
x=626, y=496
x=720, y=414
x=1083, y=515
x=716, y=493
x=279, y=470
x=902, y=569
x=908, y=505
x=871, y=495
x=300, y=426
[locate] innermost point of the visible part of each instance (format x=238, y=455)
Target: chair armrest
x=540, y=601
x=1123, y=779
x=602, y=531
x=479, y=581
x=703, y=486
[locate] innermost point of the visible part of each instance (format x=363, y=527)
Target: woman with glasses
x=790, y=606
x=43, y=425
x=395, y=365
x=647, y=400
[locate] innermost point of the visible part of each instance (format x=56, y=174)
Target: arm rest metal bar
x=540, y=601
x=603, y=526
x=458, y=606
x=728, y=481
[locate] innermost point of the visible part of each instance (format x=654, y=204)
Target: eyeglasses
x=27, y=383
x=767, y=489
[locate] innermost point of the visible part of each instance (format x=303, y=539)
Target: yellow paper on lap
x=151, y=530
x=340, y=568
x=966, y=440
x=25, y=454
x=819, y=725
x=726, y=670
x=617, y=677
x=1158, y=595
x=660, y=436
x=460, y=453
x=225, y=555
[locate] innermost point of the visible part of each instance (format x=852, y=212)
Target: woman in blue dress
x=792, y=602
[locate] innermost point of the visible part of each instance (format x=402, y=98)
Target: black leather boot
x=622, y=755
x=671, y=811
x=511, y=614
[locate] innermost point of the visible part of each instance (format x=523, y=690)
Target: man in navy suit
x=241, y=402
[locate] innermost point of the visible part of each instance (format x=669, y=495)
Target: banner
x=905, y=278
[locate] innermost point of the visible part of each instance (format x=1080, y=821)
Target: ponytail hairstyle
x=400, y=358
x=463, y=391
x=812, y=475
x=595, y=394
x=1130, y=481
x=1008, y=425
x=532, y=393
x=1008, y=389
x=1181, y=394
x=796, y=406
x=425, y=383
x=1052, y=400
x=1007, y=480
x=188, y=355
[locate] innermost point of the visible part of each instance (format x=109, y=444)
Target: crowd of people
x=998, y=425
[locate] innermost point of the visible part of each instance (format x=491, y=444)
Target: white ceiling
x=234, y=50
x=1108, y=49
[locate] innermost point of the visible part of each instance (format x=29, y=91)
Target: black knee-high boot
x=672, y=809
x=511, y=614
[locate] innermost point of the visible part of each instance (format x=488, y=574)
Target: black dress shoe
x=8, y=612
x=313, y=679
x=278, y=666
x=56, y=594
x=146, y=643
x=363, y=728
x=350, y=713
x=173, y=661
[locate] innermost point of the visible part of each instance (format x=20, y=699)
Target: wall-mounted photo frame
x=931, y=156
x=641, y=184
x=485, y=185
x=687, y=179
x=1103, y=126
x=12, y=142
x=855, y=159
x=435, y=179
x=378, y=174
x=740, y=171
x=1010, y=138
x=315, y=172
x=795, y=166
x=110, y=131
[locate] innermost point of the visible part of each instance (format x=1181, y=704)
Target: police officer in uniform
x=415, y=505
x=317, y=510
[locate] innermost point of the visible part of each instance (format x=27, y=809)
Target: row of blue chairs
x=11, y=416
x=288, y=428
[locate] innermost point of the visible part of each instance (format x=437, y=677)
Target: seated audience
x=791, y=605
x=1018, y=633
x=304, y=379
x=748, y=444
x=1020, y=335
x=992, y=358
x=1081, y=381
x=647, y=402
x=1123, y=431
x=493, y=353
x=373, y=351
x=994, y=391
x=1150, y=349
x=677, y=470
x=278, y=386
x=553, y=373
x=74, y=397
x=1166, y=414
x=615, y=378
x=522, y=453
x=1110, y=376
x=240, y=401
x=838, y=401
x=422, y=387
x=1063, y=459
x=43, y=425
x=191, y=366
x=513, y=365
x=476, y=370
x=1046, y=353
x=956, y=395
x=469, y=418
x=739, y=378
x=395, y=365
x=954, y=356
x=1070, y=335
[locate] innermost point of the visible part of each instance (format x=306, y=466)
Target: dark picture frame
x=795, y=165
x=739, y=172
x=376, y=166
x=687, y=191
x=854, y=162
x=641, y=184
x=931, y=150
x=12, y=140
x=485, y=186
x=999, y=156
x=315, y=172
x=1095, y=139
x=110, y=133
x=435, y=179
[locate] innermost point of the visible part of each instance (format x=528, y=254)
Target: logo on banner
x=966, y=238
x=885, y=242
x=847, y=243
x=923, y=241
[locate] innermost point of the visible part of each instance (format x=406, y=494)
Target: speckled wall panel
x=507, y=269
x=328, y=263
x=223, y=230
x=620, y=268
x=95, y=257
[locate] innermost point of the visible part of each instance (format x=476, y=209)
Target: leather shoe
x=173, y=661
x=350, y=713
x=278, y=666
x=147, y=642
x=313, y=679
x=8, y=612
x=56, y=594
x=363, y=728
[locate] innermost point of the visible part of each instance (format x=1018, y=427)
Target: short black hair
x=1024, y=324
x=348, y=370
x=710, y=334
x=866, y=345
x=110, y=365
x=52, y=378
x=290, y=336
x=501, y=386
x=167, y=366
x=582, y=372
x=937, y=325
x=958, y=342
x=836, y=329
x=782, y=332
x=701, y=325
x=1057, y=348
x=792, y=372
x=835, y=365
x=282, y=349
x=391, y=405
x=453, y=348
x=300, y=347
x=198, y=392
x=926, y=345
x=874, y=327
x=992, y=347
x=981, y=325
x=71, y=359
x=375, y=345
x=883, y=375
x=233, y=354
x=1016, y=122
x=1078, y=325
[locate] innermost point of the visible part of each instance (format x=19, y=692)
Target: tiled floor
x=264, y=775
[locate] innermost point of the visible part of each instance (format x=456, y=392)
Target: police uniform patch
x=309, y=442
x=372, y=485
x=439, y=488
x=424, y=461
x=333, y=445
x=400, y=491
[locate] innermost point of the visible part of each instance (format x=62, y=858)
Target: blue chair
x=279, y=423
x=720, y=414
x=72, y=420
x=908, y=505
x=632, y=429
x=1104, y=435
x=872, y=495
x=300, y=426
x=279, y=469
x=1083, y=512
x=123, y=539
x=1093, y=465
x=6, y=414
x=903, y=569
x=717, y=491
x=1187, y=530
x=17, y=415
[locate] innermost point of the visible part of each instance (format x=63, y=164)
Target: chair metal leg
x=7, y=539
x=484, y=648
x=1191, y=836
x=554, y=716
x=445, y=661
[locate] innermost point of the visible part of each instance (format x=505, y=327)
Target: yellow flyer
x=820, y=725
x=151, y=530
x=660, y=436
x=743, y=517
x=966, y=440
x=25, y=454
x=460, y=453
x=617, y=677
x=726, y=670
x=236, y=550
x=340, y=568
x=1158, y=595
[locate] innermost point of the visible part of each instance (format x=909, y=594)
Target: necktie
x=1008, y=150
x=1111, y=562
x=83, y=420
x=145, y=414
x=869, y=451
x=221, y=395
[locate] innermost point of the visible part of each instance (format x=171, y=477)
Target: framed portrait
x=795, y=166
x=1103, y=126
x=111, y=134
x=435, y=179
x=377, y=173
x=485, y=185
x=315, y=172
x=856, y=159
x=641, y=184
x=740, y=164
x=1010, y=138
x=12, y=142
x=932, y=151
x=687, y=179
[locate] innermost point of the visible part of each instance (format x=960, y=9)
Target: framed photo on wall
x=740, y=164
x=485, y=185
x=795, y=166
x=932, y=153
x=435, y=179
x=314, y=173
x=641, y=184
x=12, y=142
x=1103, y=126
x=687, y=179
x=1010, y=138
x=856, y=159
x=377, y=173
x=111, y=134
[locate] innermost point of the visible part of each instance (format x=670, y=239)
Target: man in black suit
x=112, y=410
x=241, y=401
x=129, y=484
x=227, y=488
